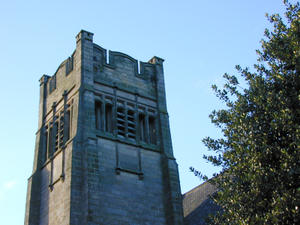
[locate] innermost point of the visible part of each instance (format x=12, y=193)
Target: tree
x=260, y=150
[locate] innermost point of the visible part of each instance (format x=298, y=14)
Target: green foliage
x=260, y=151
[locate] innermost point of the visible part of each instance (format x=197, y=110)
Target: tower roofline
x=83, y=34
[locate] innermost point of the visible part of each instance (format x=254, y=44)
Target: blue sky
x=199, y=40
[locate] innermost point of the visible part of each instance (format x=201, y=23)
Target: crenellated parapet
x=118, y=69
x=119, y=61
x=111, y=68
x=103, y=150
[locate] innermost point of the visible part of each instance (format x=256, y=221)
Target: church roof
x=197, y=204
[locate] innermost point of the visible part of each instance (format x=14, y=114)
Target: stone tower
x=103, y=152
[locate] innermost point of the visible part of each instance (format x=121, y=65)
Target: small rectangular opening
x=61, y=131
x=138, y=67
x=98, y=115
x=108, y=118
x=131, y=124
x=152, y=130
x=121, y=121
x=56, y=136
x=46, y=145
x=50, y=151
x=142, y=127
x=107, y=56
x=67, y=125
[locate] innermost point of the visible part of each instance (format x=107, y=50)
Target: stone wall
x=120, y=171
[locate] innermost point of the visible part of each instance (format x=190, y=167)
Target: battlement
x=119, y=69
x=103, y=132
x=110, y=67
x=120, y=61
x=92, y=65
x=64, y=68
x=84, y=35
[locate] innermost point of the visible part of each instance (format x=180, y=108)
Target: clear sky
x=199, y=40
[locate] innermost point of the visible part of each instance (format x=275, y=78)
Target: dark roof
x=197, y=204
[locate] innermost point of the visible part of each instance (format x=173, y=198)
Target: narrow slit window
x=61, y=131
x=108, y=118
x=67, y=125
x=46, y=145
x=70, y=120
x=98, y=115
x=121, y=120
x=152, y=130
x=131, y=124
x=142, y=127
x=50, y=151
x=56, y=137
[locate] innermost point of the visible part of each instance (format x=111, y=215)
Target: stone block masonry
x=103, y=150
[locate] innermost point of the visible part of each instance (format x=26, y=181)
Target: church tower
x=103, y=152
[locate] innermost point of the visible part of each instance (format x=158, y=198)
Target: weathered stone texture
x=120, y=171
